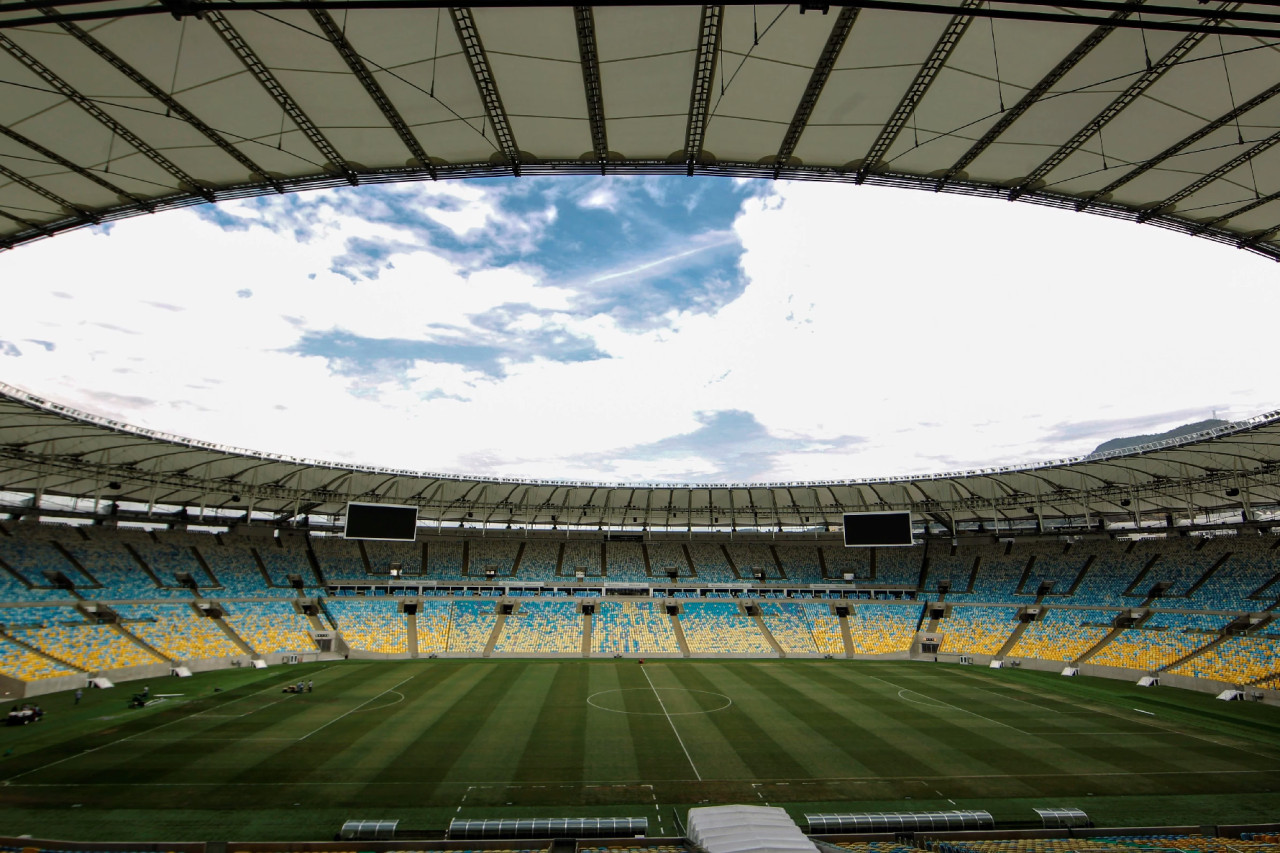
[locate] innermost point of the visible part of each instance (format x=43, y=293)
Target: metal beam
x=72, y=167
x=35, y=66
x=21, y=180
x=817, y=81
x=1143, y=82
x=1204, y=181
x=1186, y=142
x=465, y=25
x=704, y=72
x=361, y=70
x=256, y=67
x=170, y=104
x=924, y=78
x=1039, y=90
x=589, y=58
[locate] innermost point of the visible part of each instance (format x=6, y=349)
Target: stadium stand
x=585, y=557
x=542, y=627
x=269, y=627
x=382, y=554
x=1237, y=660
x=91, y=647
x=752, y=558
x=948, y=568
x=632, y=627
x=800, y=563
x=168, y=560
x=624, y=561
x=877, y=629
x=444, y=560
x=1111, y=572
x=1150, y=646
x=803, y=627
x=1059, y=569
x=237, y=570
x=471, y=624
x=176, y=631
x=498, y=556
x=840, y=561
x=282, y=559
x=666, y=557
x=374, y=625
x=1231, y=586
x=1177, y=564
x=340, y=559
x=1063, y=634
x=898, y=566
x=721, y=627
x=538, y=561
x=710, y=564
x=433, y=626
x=21, y=663
x=977, y=630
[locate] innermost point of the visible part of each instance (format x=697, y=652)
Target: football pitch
x=235, y=758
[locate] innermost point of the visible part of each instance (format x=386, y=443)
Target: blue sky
x=641, y=329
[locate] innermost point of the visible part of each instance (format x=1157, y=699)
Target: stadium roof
x=1156, y=112
x=51, y=450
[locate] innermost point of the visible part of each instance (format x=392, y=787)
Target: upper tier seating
x=800, y=563
x=624, y=561
x=752, y=558
x=121, y=576
x=444, y=560
x=632, y=627
x=538, y=561
x=235, y=566
x=542, y=627
x=951, y=569
x=168, y=559
x=585, y=557
x=897, y=566
x=666, y=557
x=997, y=580
x=1112, y=571
x=840, y=561
x=720, y=626
x=710, y=563
x=282, y=559
x=340, y=559
x=382, y=554
x=498, y=555
x=1232, y=585
x=1051, y=566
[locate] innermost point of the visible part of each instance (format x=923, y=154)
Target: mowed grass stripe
x=749, y=724
x=662, y=756
x=165, y=759
x=556, y=750
x=491, y=754
x=610, y=752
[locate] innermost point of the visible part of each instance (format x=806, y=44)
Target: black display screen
x=877, y=529
x=381, y=521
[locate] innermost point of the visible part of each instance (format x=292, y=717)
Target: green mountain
x=1176, y=432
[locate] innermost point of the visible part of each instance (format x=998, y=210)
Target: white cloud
x=950, y=332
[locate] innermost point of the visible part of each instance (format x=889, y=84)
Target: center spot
x=659, y=701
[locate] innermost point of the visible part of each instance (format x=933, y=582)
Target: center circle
x=665, y=696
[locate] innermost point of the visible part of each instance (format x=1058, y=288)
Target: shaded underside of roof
x=50, y=450
x=1163, y=113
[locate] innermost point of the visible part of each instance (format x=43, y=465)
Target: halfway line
x=661, y=705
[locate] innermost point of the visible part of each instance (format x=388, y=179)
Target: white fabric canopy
x=747, y=829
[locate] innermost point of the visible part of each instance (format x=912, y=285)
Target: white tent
x=739, y=829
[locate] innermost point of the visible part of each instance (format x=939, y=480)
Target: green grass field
x=234, y=758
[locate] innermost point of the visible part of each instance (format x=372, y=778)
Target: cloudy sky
x=646, y=329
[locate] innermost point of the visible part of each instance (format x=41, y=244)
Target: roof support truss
x=72, y=167
x=704, y=73
x=465, y=24
x=72, y=94
x=589, y=55
x=1039, y=90
x=46, y=194
x=1144, y=81
x=231, y=36
x=1186, y=142
x=915, y=93
x=170, y=103
x=817, y=81
x=370, y=83
x=1204, y=181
